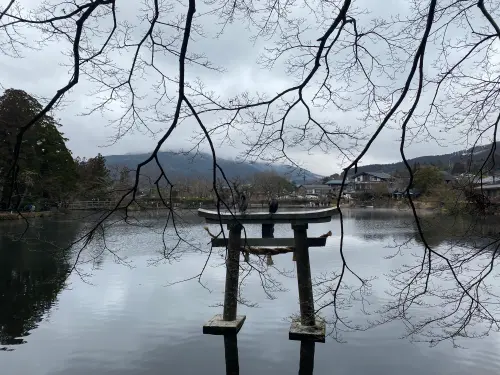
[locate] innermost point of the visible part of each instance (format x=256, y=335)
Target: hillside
x=179, y=165
x=445, y=161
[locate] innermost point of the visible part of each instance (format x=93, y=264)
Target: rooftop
x=489, y=187
x=487, y=179
x=316, y=186
x=382, y=175
x=334, y=182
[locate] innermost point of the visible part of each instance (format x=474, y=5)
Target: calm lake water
x=129, y=320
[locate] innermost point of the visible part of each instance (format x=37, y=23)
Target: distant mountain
x=178, y=165
x=445, y=161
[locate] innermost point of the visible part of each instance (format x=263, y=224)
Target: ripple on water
x=483, y=356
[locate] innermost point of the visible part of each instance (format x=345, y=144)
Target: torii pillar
x=308, y=327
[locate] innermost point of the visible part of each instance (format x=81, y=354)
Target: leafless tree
x=268, y=185
x=428, y=71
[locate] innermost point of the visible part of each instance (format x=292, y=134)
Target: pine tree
x=45, y=167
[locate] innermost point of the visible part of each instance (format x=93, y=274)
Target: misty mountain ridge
x=446, y=161
x=178, y=165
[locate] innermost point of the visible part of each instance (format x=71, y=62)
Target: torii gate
x=308, y=328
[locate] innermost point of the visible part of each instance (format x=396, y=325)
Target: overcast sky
x=42, y=73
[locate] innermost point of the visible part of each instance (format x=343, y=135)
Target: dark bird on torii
x=243, y=203
x=268, y=229
x=273, y=206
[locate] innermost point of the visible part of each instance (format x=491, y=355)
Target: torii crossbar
x=308, y=327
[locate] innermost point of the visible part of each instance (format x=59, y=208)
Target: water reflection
x=439, y=230
x=306, y=363
x=231, y=354
x=32, y=274
x=128, y=323
x=307, y=349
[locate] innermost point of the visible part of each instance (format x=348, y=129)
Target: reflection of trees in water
x=444, y=283
x=375, y=237
x=32, y=274
x=439, y=230
x=380, y=225
x=458, y=231
x=441, y=278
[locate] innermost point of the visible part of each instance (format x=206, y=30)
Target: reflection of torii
x=307, y=349
x=231, y=354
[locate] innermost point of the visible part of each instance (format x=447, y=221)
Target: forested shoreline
x=46, y=173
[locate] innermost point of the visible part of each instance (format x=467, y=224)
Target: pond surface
x=114, y=319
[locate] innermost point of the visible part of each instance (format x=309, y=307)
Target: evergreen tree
x=94, y=180
x=45, y=167
x=426, y=178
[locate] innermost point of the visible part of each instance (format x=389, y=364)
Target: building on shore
x=369, y=181
x=335, y=185
x=316, y=190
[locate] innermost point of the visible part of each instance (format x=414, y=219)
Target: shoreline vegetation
x=27, y=215
x=425, y=207
x=52, y=180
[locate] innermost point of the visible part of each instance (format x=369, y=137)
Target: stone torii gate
x=308, y=327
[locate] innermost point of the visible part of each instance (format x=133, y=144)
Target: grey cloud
x=40, y=72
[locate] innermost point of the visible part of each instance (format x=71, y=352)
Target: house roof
x=489, y=187
x=382, y=175
x=315, y=186
x=334, y=182
x=487, y=179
